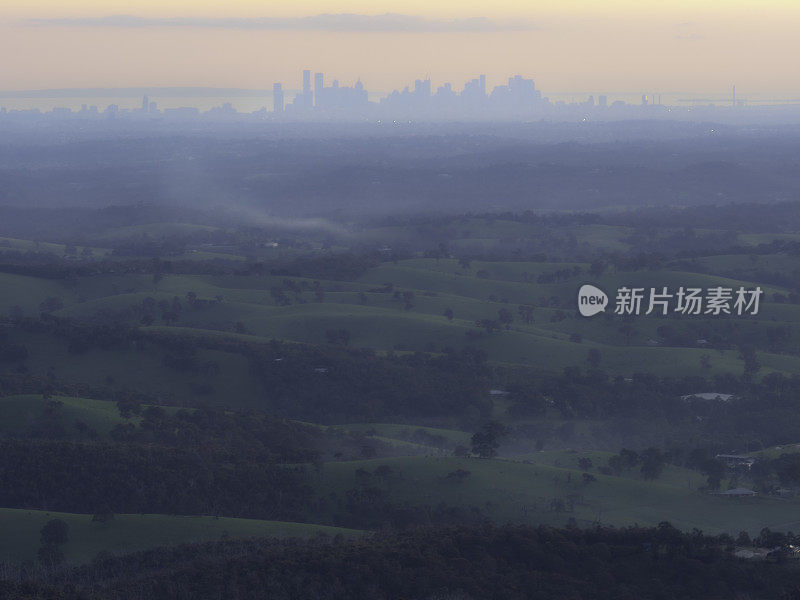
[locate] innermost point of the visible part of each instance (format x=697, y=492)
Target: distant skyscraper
x=145, y=103
x=473, y=98
x=319, y=86
x=308, y=97
x=277, y=97
x=446, y=89
x=602, y=101
x=518, y=97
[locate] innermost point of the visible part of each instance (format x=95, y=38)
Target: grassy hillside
x=142, y=368
x=59, y=250
x=385, y=322
x=18, y=414
x=130, y=533
x=411, y=432
x=511, y=491
x=408, y=315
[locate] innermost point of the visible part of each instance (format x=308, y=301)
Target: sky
x=566, y=45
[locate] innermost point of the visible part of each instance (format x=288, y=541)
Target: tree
x=714, y=470
x=615, y=464
x=103, y=514
x=652, y=463
x=751, y=365
x=448, y=312
x=55, y=531
x=743, y=539
x=461, y=451
x=50, y=555
x=626, y=459
x=505, y=317
x=490, y=325
x=629, y=458
x=486, y=441
x=526, y=313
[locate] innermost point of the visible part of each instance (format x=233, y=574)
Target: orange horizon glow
x=574, y=45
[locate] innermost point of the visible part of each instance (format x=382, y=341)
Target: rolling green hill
x=383, y=321
x=19, y=414
x=513, y=491
x=131, y=533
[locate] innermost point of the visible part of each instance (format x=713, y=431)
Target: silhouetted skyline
x=318, y=97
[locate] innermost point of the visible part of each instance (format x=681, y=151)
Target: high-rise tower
x=319, y=86
x=277, y=97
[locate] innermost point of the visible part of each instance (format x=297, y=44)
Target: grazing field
x=142, y=367
x=402, y=307
x=22, y=414
x=131, y=533
x=202, y=325
x=536, y=492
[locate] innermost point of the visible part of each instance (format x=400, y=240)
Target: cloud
x=389, y=22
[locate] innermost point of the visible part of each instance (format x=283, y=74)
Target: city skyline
x=321, y=97
x=288, y=91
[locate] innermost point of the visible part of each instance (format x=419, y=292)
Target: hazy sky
x=565, y=45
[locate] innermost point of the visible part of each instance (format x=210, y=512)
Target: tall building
x=308, y=98
x=446, y=89
x=422, y=87
x=145, y=103
x=319, y=86
x=518, y=97
x=277, y=97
